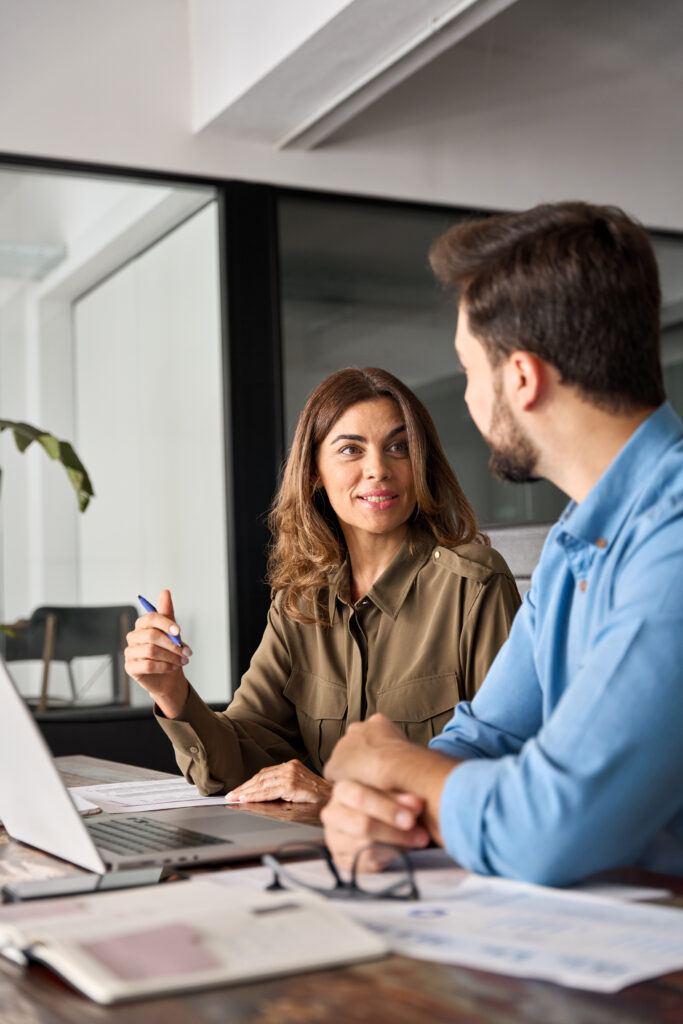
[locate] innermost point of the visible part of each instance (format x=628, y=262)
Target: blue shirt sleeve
x=594, y=785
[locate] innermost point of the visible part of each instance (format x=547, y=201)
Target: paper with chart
x=575, y=939
x=153, y=795
x=563, y=935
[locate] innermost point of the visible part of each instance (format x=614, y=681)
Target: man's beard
x=513, y=456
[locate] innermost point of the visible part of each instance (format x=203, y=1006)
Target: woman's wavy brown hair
x=307, y=539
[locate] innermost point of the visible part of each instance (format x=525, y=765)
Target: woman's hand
x=289, y=781
x=154, y=661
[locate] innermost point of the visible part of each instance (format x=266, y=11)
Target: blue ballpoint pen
x=149, y=607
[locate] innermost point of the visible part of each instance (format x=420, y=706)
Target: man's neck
x=580, y=443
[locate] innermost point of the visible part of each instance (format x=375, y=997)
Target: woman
x=385, y=598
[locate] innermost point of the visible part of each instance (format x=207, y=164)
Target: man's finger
x=358, y=829
x=375, y=804
x=414, y=803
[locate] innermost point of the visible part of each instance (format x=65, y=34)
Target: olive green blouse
x=419, y=641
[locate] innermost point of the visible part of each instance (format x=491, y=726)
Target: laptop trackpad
x=225, y=822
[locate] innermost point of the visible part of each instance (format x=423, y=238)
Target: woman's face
x=364, y=466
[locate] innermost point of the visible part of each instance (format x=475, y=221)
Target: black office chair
x=62, y=633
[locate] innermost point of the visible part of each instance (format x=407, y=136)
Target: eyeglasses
x=310, y=866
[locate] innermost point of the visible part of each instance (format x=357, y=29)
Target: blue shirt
x=574, y=744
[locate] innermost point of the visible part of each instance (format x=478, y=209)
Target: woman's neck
x=369, y=556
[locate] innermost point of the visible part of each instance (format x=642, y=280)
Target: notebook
x=183, y=935
x=36, y=809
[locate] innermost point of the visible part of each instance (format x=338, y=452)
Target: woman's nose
x=375, y=468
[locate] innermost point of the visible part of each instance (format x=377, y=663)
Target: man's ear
x=525, y=378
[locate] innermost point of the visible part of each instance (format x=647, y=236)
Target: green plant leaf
x=25, y=434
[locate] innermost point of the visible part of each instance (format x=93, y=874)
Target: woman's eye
x=349, y=449
x=400, y=447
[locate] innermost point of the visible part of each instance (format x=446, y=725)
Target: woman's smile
x=379, y=500
x=364, y=465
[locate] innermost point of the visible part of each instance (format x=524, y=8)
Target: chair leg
x=124, y=681
x=48, y=648
x=72, y=682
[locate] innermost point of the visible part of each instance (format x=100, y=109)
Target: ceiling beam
x=319, y=82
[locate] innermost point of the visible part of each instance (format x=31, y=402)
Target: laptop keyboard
x=144, y=835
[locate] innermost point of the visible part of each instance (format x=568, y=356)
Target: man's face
x=513, y=455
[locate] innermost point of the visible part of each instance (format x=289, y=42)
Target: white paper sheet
x=574, y=939
x=563, y=935
x=82, y=805
x=154, y=795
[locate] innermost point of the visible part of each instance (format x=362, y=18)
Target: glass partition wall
x=172, y=331
x=110, y=338
x=357, y=290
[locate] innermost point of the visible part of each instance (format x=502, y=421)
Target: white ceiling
x=505, y=101
x=485, y=103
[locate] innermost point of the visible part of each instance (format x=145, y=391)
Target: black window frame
x=252, y=362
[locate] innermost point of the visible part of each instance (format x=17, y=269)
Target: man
x=570, y=758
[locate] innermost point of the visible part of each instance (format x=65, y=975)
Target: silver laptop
x=35, y=808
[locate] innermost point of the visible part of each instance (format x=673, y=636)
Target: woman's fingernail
x=184, y=661
x=422, y=837
x=174, y=629
x=404, y=819
x=186, y=651
x=230, y=796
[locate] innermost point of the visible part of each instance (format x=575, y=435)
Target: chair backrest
x=520, y=544
x=80, y=630
x=60, y=633
x=83, y=630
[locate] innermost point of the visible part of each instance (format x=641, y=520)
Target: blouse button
x=194, y=750
x=437, y=554
x=601, y=542
x=582, y=586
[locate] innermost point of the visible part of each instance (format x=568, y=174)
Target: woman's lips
x=378, y=501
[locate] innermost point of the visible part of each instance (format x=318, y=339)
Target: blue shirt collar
x=598, y=517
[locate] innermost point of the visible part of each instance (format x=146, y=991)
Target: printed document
x=153, y=795
x=562, y=935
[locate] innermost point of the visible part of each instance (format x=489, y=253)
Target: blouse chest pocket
x=320, y=710
x=421, y=707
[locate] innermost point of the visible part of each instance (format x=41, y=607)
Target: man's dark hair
x=575, y=284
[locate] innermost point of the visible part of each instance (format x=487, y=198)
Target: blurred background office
x=208, y=206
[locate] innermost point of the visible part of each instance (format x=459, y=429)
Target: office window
x=357, y=289
x=110, y=337
x=151, y=333
x=669, y=251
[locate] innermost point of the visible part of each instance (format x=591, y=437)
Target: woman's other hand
x=154, y=661
x=289, y=781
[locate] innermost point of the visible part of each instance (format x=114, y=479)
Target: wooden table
x=395, y=990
